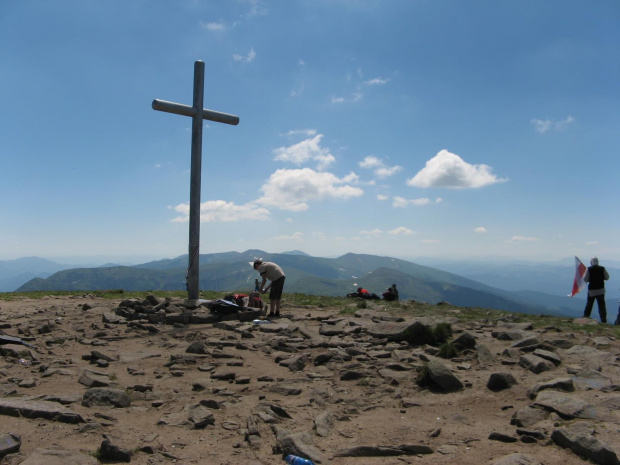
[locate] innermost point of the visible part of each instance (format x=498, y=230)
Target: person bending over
x=272, y=272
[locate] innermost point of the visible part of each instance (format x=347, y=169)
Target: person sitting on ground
x=389, y=295
x=394, y=291
x=363, y=293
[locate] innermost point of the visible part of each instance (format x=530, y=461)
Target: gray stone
x=548, y=355
x=324, y=422
x=502, y=437
x=517, y=459
x=401, y=331
x=528, y=416
x=465, y=341
x=296, y=362
x=38, y=409
x=9, y=444
x=591, y=379
x=530, y=341
x=501, y=381
x=113, y=453
x=94, y=379
x=535, y=364
x=58, y=457
x=442, y=377
x=200, y=416
x=300, y=444
x=581, y=442
x=106, y=397
x=557, y=384
x=285, y=390
x=566, y=406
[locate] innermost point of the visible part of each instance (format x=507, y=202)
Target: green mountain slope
x=231, y=271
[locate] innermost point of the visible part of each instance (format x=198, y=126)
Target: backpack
x=254, y=300
x=238, y=299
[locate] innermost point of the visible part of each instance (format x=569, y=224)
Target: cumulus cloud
x=401, y=202
x=449, y=170
x=293, y=189
x=249, y=58
x=378, y=166
x=305, y=151
x=382, y=197
x=401, y=231
x=543, y=126
x=481, y=230
x=220, y=211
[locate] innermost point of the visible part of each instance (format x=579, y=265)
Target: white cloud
x=592, y=243
x=376, y=81
x=370, y=162
x=382, y=197
x=371, y=233
x=220, y=211
x=304, y=151
x=303, y=132
x=481, y=230
x=298, y=236
x=401, y=231
x=543, y=126
x=380, y=169
x=522, y=239
x=337, y=99
x=293, y=189
x=213, y=26
x=401, y=202
x=449, y=170
x=249, y=58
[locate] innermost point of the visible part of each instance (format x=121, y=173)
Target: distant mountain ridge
x=230, y=271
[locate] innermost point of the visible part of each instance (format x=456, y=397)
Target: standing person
x=272, y=272
x=596, y=276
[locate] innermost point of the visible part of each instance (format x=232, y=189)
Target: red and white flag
x=580, y=271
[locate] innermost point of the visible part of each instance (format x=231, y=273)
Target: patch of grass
x=423, y=380
x=421, y=334
x=447, y=350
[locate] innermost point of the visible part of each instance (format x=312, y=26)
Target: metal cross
x=198, y=113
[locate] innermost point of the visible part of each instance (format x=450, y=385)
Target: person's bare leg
x=277, y=304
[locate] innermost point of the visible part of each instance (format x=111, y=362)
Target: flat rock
x=38, y=409
x=58, y=457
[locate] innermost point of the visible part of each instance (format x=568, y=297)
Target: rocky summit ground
x=81, y=380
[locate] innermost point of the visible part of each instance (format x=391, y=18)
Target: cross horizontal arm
x=186, y=110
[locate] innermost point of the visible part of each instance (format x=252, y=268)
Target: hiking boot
x=278, y=314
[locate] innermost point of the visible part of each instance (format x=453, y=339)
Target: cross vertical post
x=194, y=187
x=198, y=113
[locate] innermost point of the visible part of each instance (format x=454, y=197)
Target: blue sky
x=403, y=128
